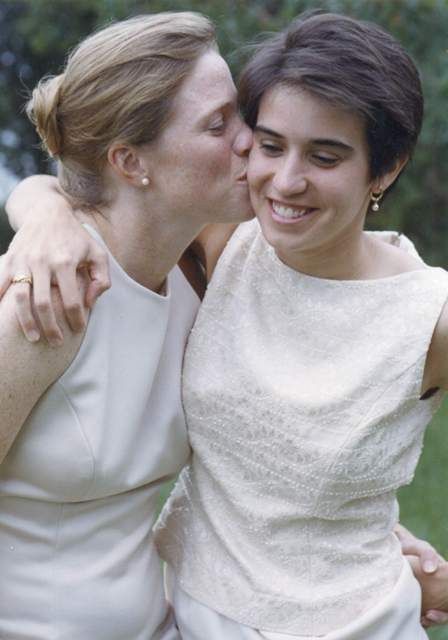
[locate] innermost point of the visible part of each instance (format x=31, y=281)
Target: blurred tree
x=35, y=36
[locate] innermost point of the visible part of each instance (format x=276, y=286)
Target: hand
x=434, y=592
x=431, y=571
x=427, y=556
x=52, y=254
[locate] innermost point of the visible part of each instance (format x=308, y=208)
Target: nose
x=289, y=178
x=242, y=142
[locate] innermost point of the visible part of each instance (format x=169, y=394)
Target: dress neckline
x=398, y=240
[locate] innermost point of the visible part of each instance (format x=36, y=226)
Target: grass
x=423, y=504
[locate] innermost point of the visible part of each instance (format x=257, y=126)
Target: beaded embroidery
x=283, y=519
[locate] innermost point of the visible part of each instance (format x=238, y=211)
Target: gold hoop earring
x=375, y=200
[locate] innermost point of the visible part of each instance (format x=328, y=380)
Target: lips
x=287, y=213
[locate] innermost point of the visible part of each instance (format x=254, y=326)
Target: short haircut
x=352, y=64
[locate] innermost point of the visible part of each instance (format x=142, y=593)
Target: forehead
x=295, y=112
x=208, y=88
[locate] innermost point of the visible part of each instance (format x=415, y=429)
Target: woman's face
x=199, y=162
x=308, y=173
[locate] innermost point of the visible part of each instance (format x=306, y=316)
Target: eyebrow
x=324, y=142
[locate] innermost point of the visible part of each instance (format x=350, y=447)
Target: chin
x=277, y=240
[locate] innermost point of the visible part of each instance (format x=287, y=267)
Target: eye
x=325, y=160
x=270, y=148
x=217, y=126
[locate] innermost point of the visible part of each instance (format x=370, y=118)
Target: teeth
x=288, y=212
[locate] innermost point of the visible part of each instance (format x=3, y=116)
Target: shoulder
x=395, y=253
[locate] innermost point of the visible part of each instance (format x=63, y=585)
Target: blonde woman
x=91, y=430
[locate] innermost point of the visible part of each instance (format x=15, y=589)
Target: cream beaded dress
x=302, y=398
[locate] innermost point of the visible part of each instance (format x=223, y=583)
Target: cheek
x=343, y=187
x=256, y=171
x=215, y=162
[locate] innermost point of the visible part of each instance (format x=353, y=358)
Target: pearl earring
x=145, y=181
x=375, y=200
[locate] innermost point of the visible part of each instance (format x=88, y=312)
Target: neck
x=347, y=257
x=146, y=245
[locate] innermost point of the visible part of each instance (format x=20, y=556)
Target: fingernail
x=429, y=566
x=33, y=336
x=431, y=615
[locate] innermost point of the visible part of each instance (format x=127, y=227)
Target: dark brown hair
x=352, y=64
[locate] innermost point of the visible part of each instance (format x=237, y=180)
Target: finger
x=429, y=560
x=5, y=275
x=94, y=291
x=72, y=301
x=435, y=617
x=99, y=277
x=25, y=317
x=43, y=308
x=5, y=281
x=428, y=557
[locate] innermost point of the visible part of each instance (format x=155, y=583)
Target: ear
x=379, y=185
x=127, y=163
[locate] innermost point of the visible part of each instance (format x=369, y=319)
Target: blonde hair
x=118, y=84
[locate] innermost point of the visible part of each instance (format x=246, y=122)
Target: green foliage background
x=35, y=36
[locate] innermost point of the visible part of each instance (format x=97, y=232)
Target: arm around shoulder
x=22, y=201
x=50, y=247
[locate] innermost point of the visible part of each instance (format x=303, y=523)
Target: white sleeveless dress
x=79, y=488
x=302, y=403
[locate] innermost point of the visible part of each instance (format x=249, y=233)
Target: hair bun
x=42, y=110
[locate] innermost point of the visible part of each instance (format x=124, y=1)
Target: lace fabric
x=302, y=403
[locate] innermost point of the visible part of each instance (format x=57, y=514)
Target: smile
x=289, y=213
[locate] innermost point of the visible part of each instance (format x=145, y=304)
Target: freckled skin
x=28, y=369
x=201, y=154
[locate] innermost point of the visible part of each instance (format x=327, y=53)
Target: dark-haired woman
x=315, y=363
x=318, y=357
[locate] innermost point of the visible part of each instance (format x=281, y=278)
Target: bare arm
x=436, y=367
x=50, y=246
x=22, y=199
x=27, y=369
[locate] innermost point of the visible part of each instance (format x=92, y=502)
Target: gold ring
x=19, y=279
